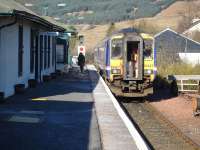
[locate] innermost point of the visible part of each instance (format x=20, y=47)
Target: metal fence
x=187, y=83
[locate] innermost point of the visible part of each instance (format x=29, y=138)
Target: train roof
x=118, y=33
x=125, y=31
x=128, y=30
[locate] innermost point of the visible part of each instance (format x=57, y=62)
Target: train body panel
x=149, y=69
x=116, y=69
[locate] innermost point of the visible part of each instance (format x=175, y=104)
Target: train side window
x=147, y=53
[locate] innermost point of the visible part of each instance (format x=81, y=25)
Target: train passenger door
x=133, y=58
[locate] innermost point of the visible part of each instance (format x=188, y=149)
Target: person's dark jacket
x=81, y=60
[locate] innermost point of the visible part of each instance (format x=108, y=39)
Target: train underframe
x=131, y=88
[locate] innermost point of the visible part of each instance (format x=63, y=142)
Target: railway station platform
x=76, y=111
x=116, y=130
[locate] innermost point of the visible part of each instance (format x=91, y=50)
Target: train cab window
x=148, y=49
x=116, y=48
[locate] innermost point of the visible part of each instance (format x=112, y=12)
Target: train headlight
x=148, y=72
x=116, y=71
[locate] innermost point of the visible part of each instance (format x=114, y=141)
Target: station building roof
x=12, y=8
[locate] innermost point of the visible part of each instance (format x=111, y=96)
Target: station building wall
x=9, y=44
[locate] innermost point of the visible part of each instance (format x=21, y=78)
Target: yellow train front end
x=148, y=57
x=126, y=62
x=116, y=60
x=149, y=69
x=116, y=69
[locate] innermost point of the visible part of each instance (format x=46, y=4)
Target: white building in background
x=173, y=44
x=190, y=58
x=195, y=28
x=27, y=47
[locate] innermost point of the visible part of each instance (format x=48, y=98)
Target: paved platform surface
x=114, y=133
x=58, y=115
x=73, y=112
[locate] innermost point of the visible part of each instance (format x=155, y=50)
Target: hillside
x=98, y=11
x=169, y=17
x=84, y=14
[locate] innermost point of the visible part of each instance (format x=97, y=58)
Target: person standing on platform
x=81, y=61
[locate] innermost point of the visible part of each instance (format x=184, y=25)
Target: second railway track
x=160, y=134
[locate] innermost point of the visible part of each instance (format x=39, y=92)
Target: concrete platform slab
x=113, y=129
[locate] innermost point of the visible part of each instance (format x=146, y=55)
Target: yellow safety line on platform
x=39, y=99
x=23, y=119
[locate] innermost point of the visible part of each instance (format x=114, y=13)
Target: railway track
x=159, y=133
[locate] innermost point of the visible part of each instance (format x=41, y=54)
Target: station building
x=171, y=46
x=62, y=51
x=27, y=47
x=65, y=43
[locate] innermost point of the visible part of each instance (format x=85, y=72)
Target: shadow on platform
x=55, y=115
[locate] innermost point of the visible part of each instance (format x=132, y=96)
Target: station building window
x=20, y=51
x=32, y=51
x=60, y=53
x=41, y=52
x=53, y=50
x=45, y=52
x=49, y=48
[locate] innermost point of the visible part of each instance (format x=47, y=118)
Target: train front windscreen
x=148, y=51
x=148, y=59
x=116, y=51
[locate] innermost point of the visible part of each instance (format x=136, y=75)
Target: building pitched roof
x=12, y=8
x=181, y=35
